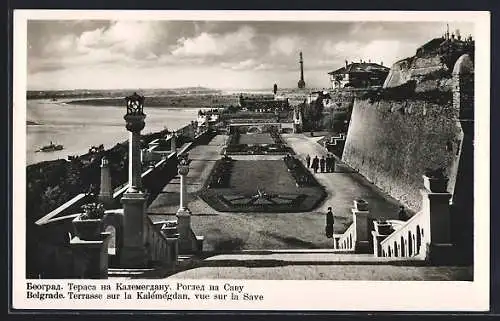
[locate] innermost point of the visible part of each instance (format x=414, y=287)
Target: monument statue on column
x=134, y=200
x=301, y=84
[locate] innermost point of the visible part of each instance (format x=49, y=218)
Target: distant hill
x=115, y=93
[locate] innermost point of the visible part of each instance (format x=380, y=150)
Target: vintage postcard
x=251, y=160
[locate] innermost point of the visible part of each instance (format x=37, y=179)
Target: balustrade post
x=105, y=190
x=361, y=229
x=437, y=234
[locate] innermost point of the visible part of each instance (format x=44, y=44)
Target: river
x=78, y=128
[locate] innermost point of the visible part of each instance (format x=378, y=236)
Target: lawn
x=256, y=139
x=268, y=175
x=262, y=186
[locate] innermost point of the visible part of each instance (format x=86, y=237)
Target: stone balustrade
x=406, y=241
x=161, y=245
x=346, y=240
x=355, y=238
x=65, y=208
x=426, y=236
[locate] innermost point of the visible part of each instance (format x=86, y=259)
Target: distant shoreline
x=32, y=123
x=177, y=101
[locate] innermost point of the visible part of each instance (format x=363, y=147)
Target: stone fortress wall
x=392, y=141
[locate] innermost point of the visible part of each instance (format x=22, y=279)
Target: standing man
x=322, y=162
x=329, y=223
x=308, y=161
x=315, y=164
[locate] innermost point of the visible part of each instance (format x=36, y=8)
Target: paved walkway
x=203, y=158
x=344, y=186
x=240, y=231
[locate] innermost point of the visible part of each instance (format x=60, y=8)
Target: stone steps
x=298, y=264
x=127, y=273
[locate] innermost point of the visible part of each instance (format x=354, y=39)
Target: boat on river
x=51, y=148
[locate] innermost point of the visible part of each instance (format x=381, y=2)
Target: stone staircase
x=314, y=264
x=130, y=273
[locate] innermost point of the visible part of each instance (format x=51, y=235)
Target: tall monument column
x=134, y=200
x=301, y=83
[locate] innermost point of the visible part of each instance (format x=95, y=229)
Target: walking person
x=322, y=164
x=308, y=161
x=315, y=164
x=328, y=163
x=329, y=223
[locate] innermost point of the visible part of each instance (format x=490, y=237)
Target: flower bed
x=220, y=175
x=259, y=186
x=301, y=175
x=278, y=147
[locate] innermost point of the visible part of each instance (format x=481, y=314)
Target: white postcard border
x=279, y=295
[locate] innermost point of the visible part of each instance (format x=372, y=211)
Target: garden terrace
x=257, y=144
x=255, y=139
x=259, y=186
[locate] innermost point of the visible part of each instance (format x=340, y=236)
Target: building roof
x=360, y=67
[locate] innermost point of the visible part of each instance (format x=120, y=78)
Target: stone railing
x=162, y=242
x=355, y=238
x=407, y=240
x=70, y=205
x=426, y=236
x=336, y=144
x=345, y=241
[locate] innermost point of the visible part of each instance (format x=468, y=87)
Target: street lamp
x=134, y=119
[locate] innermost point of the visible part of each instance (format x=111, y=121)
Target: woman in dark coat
x=329, y=223
x=315, y=164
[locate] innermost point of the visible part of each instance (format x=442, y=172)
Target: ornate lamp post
x=183, y=213
x=134, y=200
x=183, y=169
x=134, y=123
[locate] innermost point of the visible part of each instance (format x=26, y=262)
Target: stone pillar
x=134, y=252
x=134, y=163
x=105, y=191
x=437, y=207
x=437, y=233
x=91, y=257
x=360, y=221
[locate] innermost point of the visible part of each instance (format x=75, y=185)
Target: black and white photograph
x=172, y=149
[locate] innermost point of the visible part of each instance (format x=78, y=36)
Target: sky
x=105, y=54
